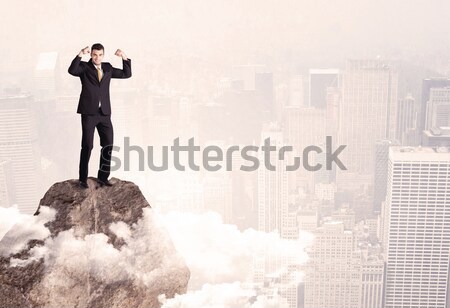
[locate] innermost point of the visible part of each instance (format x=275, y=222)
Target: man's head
x=97, y=53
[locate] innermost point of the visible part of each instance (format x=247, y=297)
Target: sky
x=209, y=28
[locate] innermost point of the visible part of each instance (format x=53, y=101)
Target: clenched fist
x=120, y=53
x=84, y=51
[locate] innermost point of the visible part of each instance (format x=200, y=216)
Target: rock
x=102, y=247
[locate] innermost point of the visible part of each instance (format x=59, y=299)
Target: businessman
x=95, y=107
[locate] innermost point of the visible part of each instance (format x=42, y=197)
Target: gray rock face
x=95, y=247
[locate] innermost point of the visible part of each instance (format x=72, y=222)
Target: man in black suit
x=95, y=107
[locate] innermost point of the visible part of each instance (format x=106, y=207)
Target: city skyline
x=373, y=77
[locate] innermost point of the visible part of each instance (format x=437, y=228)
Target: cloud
x=226, y=295
x=219, y=256
x=141, y=259
x=220, y=253
x=26, y=227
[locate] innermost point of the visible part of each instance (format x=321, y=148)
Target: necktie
x=99, y=73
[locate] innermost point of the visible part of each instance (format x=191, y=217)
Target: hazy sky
x=217, y=28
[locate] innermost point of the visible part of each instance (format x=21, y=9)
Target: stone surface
x=104, y=249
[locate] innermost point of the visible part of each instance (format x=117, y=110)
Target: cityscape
x=375, y=234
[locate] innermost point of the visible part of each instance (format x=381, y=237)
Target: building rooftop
x=441, y=131
x=420, y=153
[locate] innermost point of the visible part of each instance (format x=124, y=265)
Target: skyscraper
x=18, y=143
x=274, y=215
x=438, y=108
x=333, y=276
x=417, y=233
x=319, y=81
x=45, y=78
x=372, y=272
x=304, y=126
x=380, y=173
x=426, y=88
x=407, y=120
x=272, y=185
x=6, y=184
x=368, y=112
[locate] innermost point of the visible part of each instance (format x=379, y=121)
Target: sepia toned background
x=374, y=75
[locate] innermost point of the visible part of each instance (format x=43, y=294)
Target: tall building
x=417, y=233
x=438, y=108
x=272, y=185
x=372, y=276
x=427, y=85
x=332, y=112
x=368, y=112
x=19, y=144
x=274, y=215
x=333, y=276
x=407, y=120
x=319, y=81
x=380, y=173
x=304, y=126
x=7, y=192
x=45, y=77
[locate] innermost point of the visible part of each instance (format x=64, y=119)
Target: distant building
x=438, y=108
x=7, y=191
x=407, y=121
x=319, y=81
x=380, y=172
x=372, y=278
x=436, y=136
x=19, y=145
x=307, y=220
x=427, y=85
x=368, y=112
x=272, y=186
x=333, y=275
x=45, y=78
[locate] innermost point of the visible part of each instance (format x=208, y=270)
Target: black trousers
x=105, y=131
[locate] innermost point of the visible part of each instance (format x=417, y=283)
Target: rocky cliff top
x=96, y=247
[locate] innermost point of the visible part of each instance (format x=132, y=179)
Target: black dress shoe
x=83, y=184
x=104, y=182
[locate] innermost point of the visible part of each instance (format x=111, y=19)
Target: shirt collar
x=96, y=65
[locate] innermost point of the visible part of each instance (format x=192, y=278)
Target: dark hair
x=98, y=46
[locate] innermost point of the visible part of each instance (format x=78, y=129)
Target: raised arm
x=75, y=69
x=125, y=72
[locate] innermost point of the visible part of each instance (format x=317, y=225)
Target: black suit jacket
x=92, y=90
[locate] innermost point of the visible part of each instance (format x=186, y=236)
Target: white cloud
x=219, y=256
x=226, y=295
x=219, y=253
x=26, y=227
